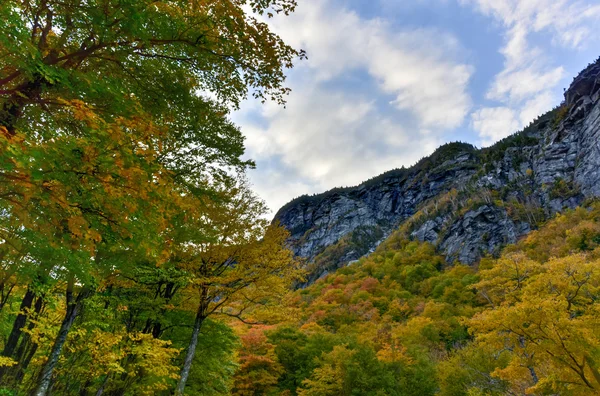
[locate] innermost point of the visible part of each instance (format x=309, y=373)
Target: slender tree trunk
x=593, y=368
x=157, y=330
x=17, y=330
x=534, y=376
x=73, y=307
x=154, y=326
x=26, y=349
x=18, y=324
x=25, y=363
x=6, y=287
x=37, y=308
x=191, y=351
x=5, y=294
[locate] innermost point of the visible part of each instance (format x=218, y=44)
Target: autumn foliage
x=126, y=223
x=136, y=260
x=403, y=322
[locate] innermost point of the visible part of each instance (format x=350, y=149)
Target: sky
x=388, y=81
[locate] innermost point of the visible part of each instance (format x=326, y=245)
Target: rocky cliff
x=467, y=202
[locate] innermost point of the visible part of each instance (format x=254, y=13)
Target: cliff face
x=378, y=205
x=467, y=202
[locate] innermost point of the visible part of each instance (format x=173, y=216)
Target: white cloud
x=334, y=134
x=325, y=138
x=277, y=187
x=527, y=86
x=418, y=67
x=536, y=106
x=514, y=85
x=568, y=20
x=494, y=123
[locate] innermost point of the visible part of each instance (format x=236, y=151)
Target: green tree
x=103, y=129
x=235, y=259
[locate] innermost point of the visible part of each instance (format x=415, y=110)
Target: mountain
x=467, y=202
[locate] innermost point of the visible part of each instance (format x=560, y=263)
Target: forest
x=402, y=321
x=128, y=225
x=136, y=259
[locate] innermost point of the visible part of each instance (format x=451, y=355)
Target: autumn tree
x=259, y=369
x=80, y=195
x=105, y=52
x=235, y=259
x=549, y=323
x=103, y=128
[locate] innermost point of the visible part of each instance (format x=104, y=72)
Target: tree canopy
x=117, y=162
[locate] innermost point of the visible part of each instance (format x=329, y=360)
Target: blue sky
x=388, y=81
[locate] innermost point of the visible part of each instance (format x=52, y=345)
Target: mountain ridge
x=468, y=202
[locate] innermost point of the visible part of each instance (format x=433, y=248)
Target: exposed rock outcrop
x=467, y=202
x=383, y=202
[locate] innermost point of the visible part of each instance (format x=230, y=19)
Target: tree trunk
x=191, y=351
x=5, y=291
x=154, y=326
x=12, y=109
x=534, y=376
x=593, y=368
x=73, y=307
x=37, y=309
x=26, y=348
x=18, y=324
x=157, y=330
x=17, y=330
x=101, y=389
x=25, y=362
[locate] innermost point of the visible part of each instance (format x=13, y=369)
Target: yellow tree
x=107, y=192
x=103, y=127
x=234, y=258
x=328, y=379
x=504, y=281
x=550, y=326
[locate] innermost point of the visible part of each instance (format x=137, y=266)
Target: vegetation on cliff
x=403, y=322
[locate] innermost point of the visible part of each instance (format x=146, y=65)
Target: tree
x=259, y=369
x=235, y=259
x=504, y=282
x=108, y=51
x=330, y=377
x=103, y=129
x=550, y=326
x=470, y=369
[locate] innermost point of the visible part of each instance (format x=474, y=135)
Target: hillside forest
x=135, y=259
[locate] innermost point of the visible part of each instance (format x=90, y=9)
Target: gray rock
x=552, y=165
x=479, y=232
x=320, y=221
x=428, y=232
